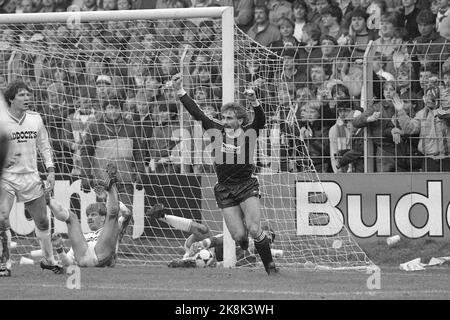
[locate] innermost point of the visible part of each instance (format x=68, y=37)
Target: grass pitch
x=160, y=283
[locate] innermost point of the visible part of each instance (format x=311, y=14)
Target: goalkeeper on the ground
x=201, y=238
x=107, y=222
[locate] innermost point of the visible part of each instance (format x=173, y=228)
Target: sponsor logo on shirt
x=22, y=136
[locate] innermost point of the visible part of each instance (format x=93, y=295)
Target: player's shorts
x=233, y=195
x=25, y=186
x=89, y=259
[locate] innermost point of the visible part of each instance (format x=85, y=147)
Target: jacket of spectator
x=408, y=25
x=434, y=132
x=380, y=130
x=263, y=31
x=433, y=49
x=112, y=141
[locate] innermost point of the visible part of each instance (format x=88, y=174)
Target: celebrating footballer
x=237, y=189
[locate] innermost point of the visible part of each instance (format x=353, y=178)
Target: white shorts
x=25, y=186
x=89, y=260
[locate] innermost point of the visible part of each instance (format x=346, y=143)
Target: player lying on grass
x=237, y=189
x=107, y=222
x=201, y=238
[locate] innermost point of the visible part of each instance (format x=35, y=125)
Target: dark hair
x=340, y=87
x=426, y=17
x=333, y=11
x=359, y=12
x=266, y=10
x=98, y=207
x=239, y=110
x=13, y=88
x=328, y=37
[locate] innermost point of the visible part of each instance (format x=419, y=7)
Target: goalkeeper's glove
x=86, y=184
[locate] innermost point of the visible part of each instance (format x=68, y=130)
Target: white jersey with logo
x=91, y=239
x=27, y=135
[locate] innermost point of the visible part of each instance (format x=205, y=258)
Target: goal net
x=80, y=66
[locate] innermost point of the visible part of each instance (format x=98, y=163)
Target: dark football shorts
x=233, y=195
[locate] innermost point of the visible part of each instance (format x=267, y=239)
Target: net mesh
x=78, y=72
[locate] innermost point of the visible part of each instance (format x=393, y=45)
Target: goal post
x=78, y=62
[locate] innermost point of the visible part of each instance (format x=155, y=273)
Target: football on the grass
x=204, y=258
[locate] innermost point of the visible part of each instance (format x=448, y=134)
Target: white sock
x=45, y=241
x=178, y=223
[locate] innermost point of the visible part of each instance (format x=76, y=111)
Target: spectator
x=309, y=48
x=291, y=77
x=315, y=137
x=104, y=89
x=345, y=140
x=159, y=135
x=319, y=6
x=406, y=20
x=263, y=31
x=341, y=64
x=389, y=40
x=444, y=11
x=123, y=4
x=319, y=75
x=375, y=10
x=47, y=6
x=279, y=9
x=434, y=7
x=109, y=5
x=430, y=48
x=329, y=48
x=433, y=128
x=300, y=13
x=358, y=35
x=89, y=5
x=202, y=156
x=113, y=139
x=287, y=40
x=243, y=14
x=427, y=77
x=346, y=7
x=405, y=87
x=26, y=6
x=378, y=119
x=379, y=63
x=55, y=113
x=331, y=20
x=76, y=125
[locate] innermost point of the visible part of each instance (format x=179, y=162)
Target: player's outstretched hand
x=177, y=82
x=250, y=95
x=85, y=185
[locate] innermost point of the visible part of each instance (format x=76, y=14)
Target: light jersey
x=27, y=135
x=92, y=237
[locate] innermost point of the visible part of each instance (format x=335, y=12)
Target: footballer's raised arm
x=191, y=106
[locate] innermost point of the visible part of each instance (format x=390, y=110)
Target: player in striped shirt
x=108, y=223
x=237, y=190
x=21, y=180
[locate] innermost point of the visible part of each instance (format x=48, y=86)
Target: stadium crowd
x=125, y=67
